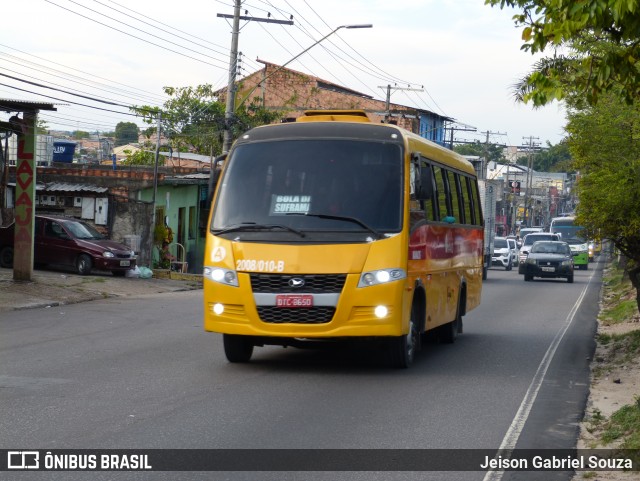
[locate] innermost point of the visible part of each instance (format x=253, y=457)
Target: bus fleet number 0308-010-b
x=259, y=265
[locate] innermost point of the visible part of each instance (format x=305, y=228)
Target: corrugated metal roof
x=65, y=187
x=15, y=105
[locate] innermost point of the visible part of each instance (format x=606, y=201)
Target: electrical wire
x=138, y=38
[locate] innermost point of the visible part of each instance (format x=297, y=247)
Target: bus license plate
x=125, y=263
x=548, y=269
x=294, y=300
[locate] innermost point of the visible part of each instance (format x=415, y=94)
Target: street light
x=227, y=140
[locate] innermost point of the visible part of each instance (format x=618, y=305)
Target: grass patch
x=619, y=312
x=622, y=348
x=623, y=426
x=619, y=300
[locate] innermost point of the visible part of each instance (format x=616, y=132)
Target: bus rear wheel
x=448, y=333
x=237, y=348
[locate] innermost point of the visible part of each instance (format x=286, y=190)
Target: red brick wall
x=297, y=92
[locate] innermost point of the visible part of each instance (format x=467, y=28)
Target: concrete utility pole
x=387, y=115
x=233, y=64
x=152, y=231
x=486, y=150
x=527, y=195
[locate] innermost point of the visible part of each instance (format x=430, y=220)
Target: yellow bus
x=335, y=228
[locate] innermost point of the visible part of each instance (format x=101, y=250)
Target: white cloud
x=466, y=54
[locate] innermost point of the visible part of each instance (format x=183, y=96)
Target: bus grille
x=279, y=315
x=313, y=283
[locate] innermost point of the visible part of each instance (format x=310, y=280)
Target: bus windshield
x=566, y=228
x=321, y=186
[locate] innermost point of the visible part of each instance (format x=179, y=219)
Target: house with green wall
x=181, y=205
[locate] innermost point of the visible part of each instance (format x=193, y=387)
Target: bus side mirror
x=421, y=178
x=214, y=175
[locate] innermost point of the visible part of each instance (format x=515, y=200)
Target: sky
x=460, y=58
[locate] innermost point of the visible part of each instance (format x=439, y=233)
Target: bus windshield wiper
x=252, y=226
x=345, y=218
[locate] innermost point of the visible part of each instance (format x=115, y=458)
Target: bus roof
x=354, y=124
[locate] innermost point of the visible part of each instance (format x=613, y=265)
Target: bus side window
x=430, y=203
x=454, y=190
x=475, y=198
x=441, y=193
x=467, y=204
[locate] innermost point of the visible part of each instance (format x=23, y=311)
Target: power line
x=138, y=38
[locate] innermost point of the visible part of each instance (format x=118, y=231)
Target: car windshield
x=500, y=243
x=530, y=239
x=80, y=230
x=549, y=248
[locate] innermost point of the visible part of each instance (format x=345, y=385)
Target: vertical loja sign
x=25, y=195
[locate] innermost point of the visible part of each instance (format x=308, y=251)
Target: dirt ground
x=612, y=387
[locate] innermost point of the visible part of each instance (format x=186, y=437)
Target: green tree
x=142, y=157
x=194, y=119
x=605, y=142
x=126, y=133
x=79, y=134
x=42, y=127
x=594, y=68
x=601, y=41
x=555, y=158
x=493, y=152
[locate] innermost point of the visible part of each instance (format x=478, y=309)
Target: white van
x=528, y=230
x=528, y=241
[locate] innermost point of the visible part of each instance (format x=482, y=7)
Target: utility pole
x=486, y=150
x=152, y=232
x=387, y=115
x=460, y=128
x=527, y=195
x=233, y=65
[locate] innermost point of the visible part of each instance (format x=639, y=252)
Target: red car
x=66, y=241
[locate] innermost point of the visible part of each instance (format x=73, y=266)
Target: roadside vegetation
x=618, y=351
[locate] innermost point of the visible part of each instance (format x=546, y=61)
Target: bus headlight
x=382, y=276
x=223, y=276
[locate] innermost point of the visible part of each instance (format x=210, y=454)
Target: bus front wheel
x=237, y=348
x=402, y=349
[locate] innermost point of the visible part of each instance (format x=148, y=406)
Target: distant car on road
x=70, y=242
x=502, y=253
x=549, y=259
x=513, y=245
x=528, y=241
x=525, y=231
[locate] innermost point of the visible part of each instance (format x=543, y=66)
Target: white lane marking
x=513, y=433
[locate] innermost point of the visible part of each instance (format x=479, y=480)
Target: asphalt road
x=142, y=374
